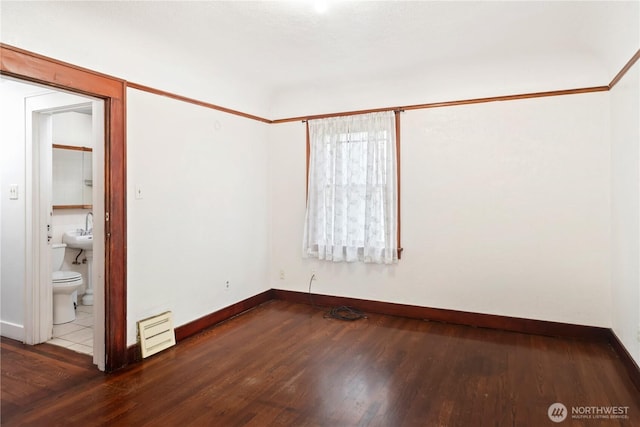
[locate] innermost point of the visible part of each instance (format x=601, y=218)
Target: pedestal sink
x=80, y=240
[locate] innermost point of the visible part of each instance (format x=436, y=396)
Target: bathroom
x=72, y=203
x=44, y=131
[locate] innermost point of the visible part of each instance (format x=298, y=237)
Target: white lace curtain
x=352, y=203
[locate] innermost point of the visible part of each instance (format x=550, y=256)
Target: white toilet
x=65, y=283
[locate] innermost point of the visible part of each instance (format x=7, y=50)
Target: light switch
x=13, y=192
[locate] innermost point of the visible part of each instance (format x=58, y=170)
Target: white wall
x=12, y=212
x=450, y=81
x=203, y=217
x=505, y=210
x=72, y=128
x=625, y=141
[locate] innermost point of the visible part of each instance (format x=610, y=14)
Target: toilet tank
x=57, y=255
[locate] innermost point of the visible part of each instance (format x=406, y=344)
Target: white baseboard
x=11, y=330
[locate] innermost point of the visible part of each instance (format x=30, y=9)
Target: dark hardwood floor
x=284, y=364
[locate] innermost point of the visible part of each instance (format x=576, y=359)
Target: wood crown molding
x=159, y=92
x=606, y=88
x=196, y=102
x=624, y=70
x=448, y=103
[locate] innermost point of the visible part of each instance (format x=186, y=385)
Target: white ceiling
x=281, y=47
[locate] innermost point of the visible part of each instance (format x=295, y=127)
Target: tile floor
x=76, y=335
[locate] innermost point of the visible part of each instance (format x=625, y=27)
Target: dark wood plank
x=284, y=363
x=31, y=374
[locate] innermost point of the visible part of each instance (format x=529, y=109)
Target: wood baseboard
x=630, y=365
x=491, y=321
x=198, y=325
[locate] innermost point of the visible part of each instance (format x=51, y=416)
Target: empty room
x=320, y=213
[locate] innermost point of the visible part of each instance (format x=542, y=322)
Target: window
x=352, y=199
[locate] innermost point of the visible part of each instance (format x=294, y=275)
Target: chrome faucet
x=88, y=230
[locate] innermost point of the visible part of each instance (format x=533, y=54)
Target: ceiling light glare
x=321, y=6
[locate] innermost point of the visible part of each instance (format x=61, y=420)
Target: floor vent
x=156, y=334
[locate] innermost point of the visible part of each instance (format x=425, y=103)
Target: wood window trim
x=397, y=126
x=399, y=186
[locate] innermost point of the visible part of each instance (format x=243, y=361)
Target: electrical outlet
x=314, y=275
x=282, y=276
x=13, y=192
x=226, y=285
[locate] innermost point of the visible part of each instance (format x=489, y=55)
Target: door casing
x=36, y=68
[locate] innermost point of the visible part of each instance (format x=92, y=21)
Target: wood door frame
x=36, y=68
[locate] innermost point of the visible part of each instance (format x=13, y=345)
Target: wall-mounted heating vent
x=156, y=334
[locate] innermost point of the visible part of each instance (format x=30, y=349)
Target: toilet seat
x=62, y=277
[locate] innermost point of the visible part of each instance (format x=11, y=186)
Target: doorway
x=70, y=194
x=51, y=117
x=31, y=67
